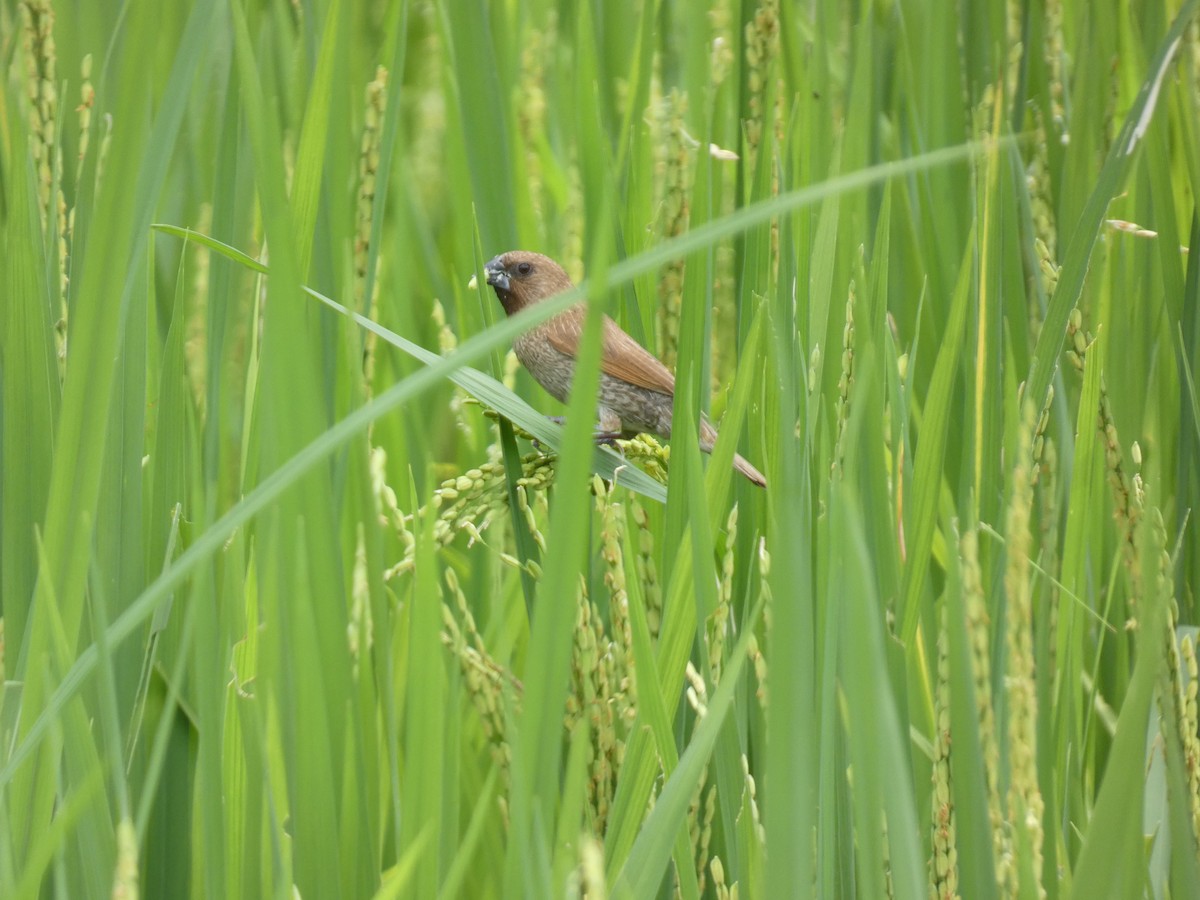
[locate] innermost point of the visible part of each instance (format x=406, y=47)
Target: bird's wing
x=628, y=360
x=623, y=357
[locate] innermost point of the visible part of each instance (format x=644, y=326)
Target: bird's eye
x=524, y=268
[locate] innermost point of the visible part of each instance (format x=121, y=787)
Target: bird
x=636, y=390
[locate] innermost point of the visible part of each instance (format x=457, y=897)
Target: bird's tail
x=708, y=437
x=743, y=465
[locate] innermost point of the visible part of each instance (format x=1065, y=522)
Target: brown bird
x=636, y=390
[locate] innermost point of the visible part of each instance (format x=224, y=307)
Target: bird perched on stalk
x=636, y=390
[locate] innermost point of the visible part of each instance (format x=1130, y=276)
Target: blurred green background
x=291, y=608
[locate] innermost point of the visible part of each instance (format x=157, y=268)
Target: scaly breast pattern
x=639, y=409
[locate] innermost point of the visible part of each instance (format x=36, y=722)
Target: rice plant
x=303, y=593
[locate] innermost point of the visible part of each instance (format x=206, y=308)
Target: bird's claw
x=557, y=420
x=602, y=438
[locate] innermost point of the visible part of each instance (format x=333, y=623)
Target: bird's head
x=521, y=278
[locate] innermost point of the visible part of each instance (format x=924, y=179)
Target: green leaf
x=1085, y=232
x=931, y=452
x=648, y=857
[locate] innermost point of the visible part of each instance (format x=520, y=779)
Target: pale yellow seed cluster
x=979, y=630
x=471, y=502
x=195, y=344
x=697, y=691
x=485, y=680
x=41, y=81
x=647, y=568
x=1126, y=493
x=364, y=212
x=720, y=888
x=704, y=840
x=1013, y=14
x=447, y=342
x=533, y=512
x=591, y=690
x=845, y=383
x=387, y=508
x=1043, y=223
x=360, y=629
x=1045, y=477
x=600, y=678
x=652, y=456
x=723, y=43
x=724, y=312
x=593, y=883
x=675, y=205
x=125, y=880
x=478, y=496
x=511, y=366
x=752, y=802
x=983, y=117
x=602, y=687
x=87, y=100
x=537, y=45
x=446, y=338
x=695, y=821
x=754, y=652
x=1078, y=340
x=762, y=52
x=368, y=170
x=1190, y=724
x=102, y=153
x=720, y=21
x=943, y=865
x=426, y=160
x=762, y=47
x=619, y=699
x=720, y=620
x=1024, y=797
x=573, y=224
x=814, y=369
x=611, y=551
x=1177, y=697
x=41, y=56
x=601, y=683
x=1055, y=55
x=1038, y=446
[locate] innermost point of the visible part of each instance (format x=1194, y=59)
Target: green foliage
x=303, y=594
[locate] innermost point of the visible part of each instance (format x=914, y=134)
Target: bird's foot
x=557, y=420
x=602, y=438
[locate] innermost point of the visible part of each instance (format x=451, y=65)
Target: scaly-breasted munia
x=636, y=390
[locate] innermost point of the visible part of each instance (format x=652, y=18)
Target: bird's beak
x=496, y=274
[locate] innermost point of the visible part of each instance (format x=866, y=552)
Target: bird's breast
x=551, y=368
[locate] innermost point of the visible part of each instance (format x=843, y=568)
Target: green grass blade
x=1085, y=232
x=931, y=449
x=648, y=857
